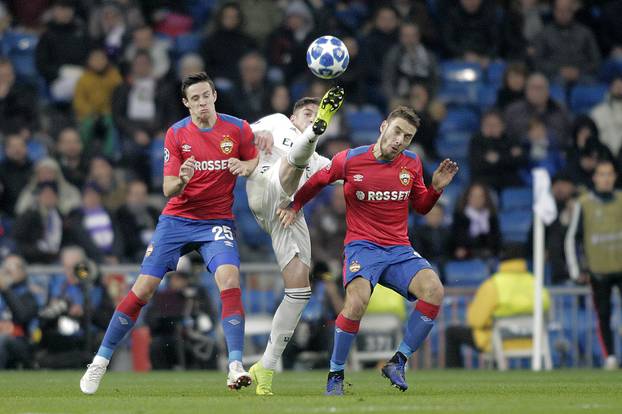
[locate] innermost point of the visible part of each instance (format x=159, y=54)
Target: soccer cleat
x=611, y=363
x=262, y=377
x=394, y=371
x=89, y=383
x=329, y=105
x=238, y=377
x=334, y=383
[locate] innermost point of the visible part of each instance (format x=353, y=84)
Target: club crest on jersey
x=186, y=148
x=358, y=178
x=149, y=250
x=405, y=176
x=167, y=155
x=355, y=266
x=226, y=145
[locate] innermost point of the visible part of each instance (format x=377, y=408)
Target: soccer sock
x=345, y=332
x=303, y=148
x=284, y=323
x=233, y=322
x=121, y=323
x=420, y=323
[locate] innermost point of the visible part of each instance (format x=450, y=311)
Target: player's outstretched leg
x=120, y=324
x=233, y=327
x=420, y=323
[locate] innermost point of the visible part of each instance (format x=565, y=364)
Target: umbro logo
x=123, y=321
x=234, y=322
x=186, y=148
x=426, y=319
x=358, y=178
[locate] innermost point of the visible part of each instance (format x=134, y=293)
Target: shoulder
x=180, y=124
x=271, y=121
x=231, y=120
x=356, y=152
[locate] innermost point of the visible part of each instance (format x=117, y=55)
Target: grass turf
x=521, y=392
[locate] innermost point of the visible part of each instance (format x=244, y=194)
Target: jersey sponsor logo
x=405, y=176
x=360, y=195
x=226, y=145
x=358, y=178
x=149, y=250
x=211, y=165
x=186, y=148
x=383, y=195
x=354, y=266
x=288, y=142
x=167, y=155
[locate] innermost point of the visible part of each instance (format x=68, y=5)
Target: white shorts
x=265, y=195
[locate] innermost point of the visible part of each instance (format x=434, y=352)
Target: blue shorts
x=391, y=266
x=176, y=236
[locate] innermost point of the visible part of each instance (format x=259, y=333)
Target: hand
x=461, y=253
x=444, y=174
x=264, y=141
x=492, y=157
x=286, y=216
x=186, y=171
x=237, y=167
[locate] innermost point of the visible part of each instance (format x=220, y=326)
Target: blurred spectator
x=94, y=228
x=537, y=104
x=71, y=157
x=608, y=117
x=314, y=333
x=611, y=30
x=108, y=27
x=227, y=43
x=431, y=237
x=522, y=23
x=417, y=11
x=280, y=102
x=110, y=181
x=566, y=51
x=47, y=170
x=407, y=63
x=15, y=171
x=287, y=45
x=92, y=102
x=513, y=88
x=18, y=101
x=475, y=228
x=137, y=221
x=261, y=17
x=494, y=157
x=507, y=293
x=144, y=40
x=353, y=79
x=38, y=232
x=470, y=31
x=431, y=113
x=251, y=92
x=328, y=231
x=62, y=50
x=182, y=320
x=135, y=113
x=542, y=151
x=595, y=231
x=18, y=309
x=76, y=314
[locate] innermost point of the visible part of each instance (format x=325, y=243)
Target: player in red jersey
x=380, y=182
x=203, y=154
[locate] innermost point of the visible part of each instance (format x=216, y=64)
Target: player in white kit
x=272, y=185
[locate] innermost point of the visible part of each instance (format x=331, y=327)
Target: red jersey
x=377, y=194
x=209, y=194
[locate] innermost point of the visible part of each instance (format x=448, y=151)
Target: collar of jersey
x=206, y=129
x=371, y=152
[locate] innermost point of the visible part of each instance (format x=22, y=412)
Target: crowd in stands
x=88, y=89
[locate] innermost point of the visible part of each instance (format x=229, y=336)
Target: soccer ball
x=327, y=57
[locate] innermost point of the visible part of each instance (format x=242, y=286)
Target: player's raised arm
x=422, y=198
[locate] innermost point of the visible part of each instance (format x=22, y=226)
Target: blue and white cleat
x=334, y=384
x=394, y=371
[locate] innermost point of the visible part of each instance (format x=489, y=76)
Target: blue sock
x=120, y=324
x=345, y=332
x=233, y=327
x=417, y=329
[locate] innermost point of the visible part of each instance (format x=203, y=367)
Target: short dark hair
x=196, y=78
x=406, y=113
x=307, y=100
x=605, y=161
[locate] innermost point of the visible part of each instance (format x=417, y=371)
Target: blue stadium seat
x=515, y=225
x=453, y=148
x=584, y=97
x=187, y=43
x=459, y=119
x=460, y=82
x=557, y=93
x=487, y=97
x=364, y=125
x=516, y=198
x=466, y=272
x=610, y=69
x=20, y=49
x=494, y=73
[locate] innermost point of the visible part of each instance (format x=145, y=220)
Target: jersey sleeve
x=248, y=151
x=334, y=171
x=422, y=198
x=172, y=154
x=268, y=123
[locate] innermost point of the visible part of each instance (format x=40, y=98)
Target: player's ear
x=185, y=102
x=215, y=94
x=383, y=126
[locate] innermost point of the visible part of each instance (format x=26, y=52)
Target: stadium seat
x=187, y=43
x=364, y=125
x=466, y=272
x=515, y=225
x=557, y=93
x=487, y=97
x=514, y=328
x=459, y=119
x=20, y=49
x=494, y=73
x=374, y=331
x=610, y=69
x=516, y=198
x=584, y=97
x=456, y=149
x=460, y=82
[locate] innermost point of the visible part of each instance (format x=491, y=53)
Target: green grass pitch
x=521, y=392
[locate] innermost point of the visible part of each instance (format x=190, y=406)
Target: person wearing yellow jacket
x=509, y=292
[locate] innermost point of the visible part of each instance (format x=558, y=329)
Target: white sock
x=303, y=148
x=100, y=360
x=285, y=320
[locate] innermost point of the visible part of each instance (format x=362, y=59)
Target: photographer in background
x=18, y=308
x=77, y=313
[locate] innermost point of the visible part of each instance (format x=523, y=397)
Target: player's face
x=395, y=137
x=303, y=117
x=200, y=99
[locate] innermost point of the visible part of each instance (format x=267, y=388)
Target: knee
x=432, y=290
x=144, y=292
x=355, y=307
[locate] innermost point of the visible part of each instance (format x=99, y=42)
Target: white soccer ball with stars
x=327, y=57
